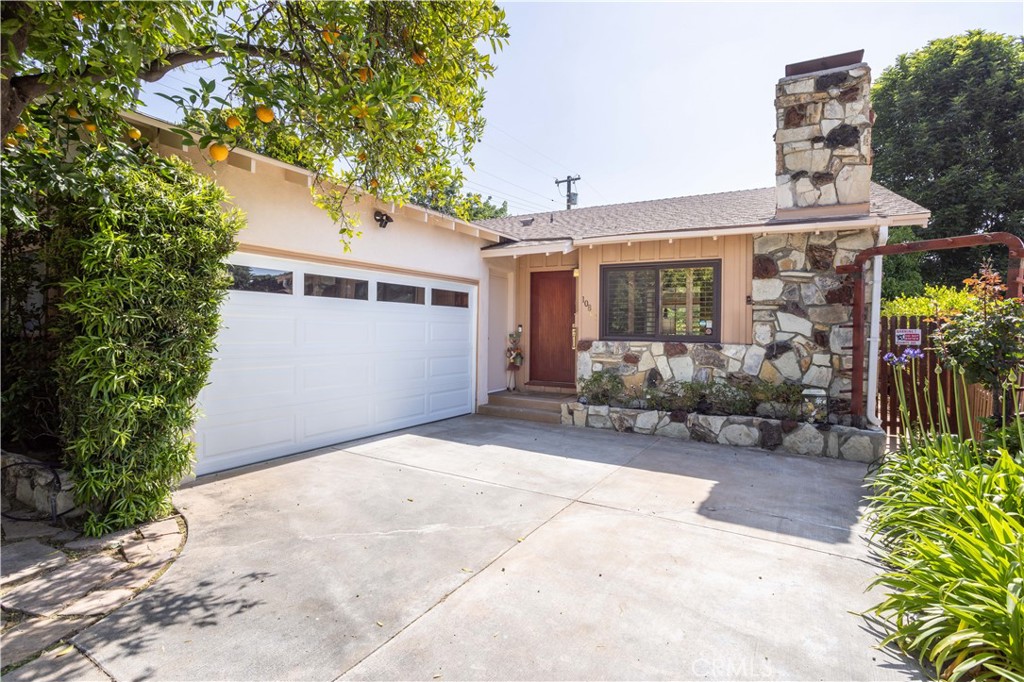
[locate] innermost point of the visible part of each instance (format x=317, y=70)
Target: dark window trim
x=715, y=265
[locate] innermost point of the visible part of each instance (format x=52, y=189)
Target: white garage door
x=311, y=355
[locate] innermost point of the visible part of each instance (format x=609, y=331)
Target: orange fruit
x=359, y=111
x=233, y=121
x=73, y=113
x=134, y=133
x=218, y=151
x=264, y=113
x=419, y=58
x=364, y=74
x=10, y=141
x=416, y=99
x=90, y=126
x=330, y=33
x=361, y=156
x=419, y=149
x=21, y=129
x=374, y=184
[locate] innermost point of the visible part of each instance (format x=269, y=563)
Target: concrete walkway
x=478, y=548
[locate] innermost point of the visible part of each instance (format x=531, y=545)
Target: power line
x=537, y=208
x=509, y=182
x=570, y=196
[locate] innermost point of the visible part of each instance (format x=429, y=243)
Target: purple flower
x=894, y=360
x=913, y=353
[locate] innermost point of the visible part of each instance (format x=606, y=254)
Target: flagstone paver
x=29, y=638
x=26, y=558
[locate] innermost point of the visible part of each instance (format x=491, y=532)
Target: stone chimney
x=823, y=138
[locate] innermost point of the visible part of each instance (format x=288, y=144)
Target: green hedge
x=134, y=245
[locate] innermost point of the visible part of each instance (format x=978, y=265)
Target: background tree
x=383, y=95
x=949, y=134
x=902, y=272
x=468, y=206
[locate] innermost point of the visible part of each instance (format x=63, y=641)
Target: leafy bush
x=134, y=244
x=937, y=301
x=727, y=399
x=950, y=516
x=602, y=388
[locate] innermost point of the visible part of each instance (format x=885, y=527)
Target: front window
x=672, y=301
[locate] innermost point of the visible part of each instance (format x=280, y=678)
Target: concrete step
x=543, y=402
x=522, y=413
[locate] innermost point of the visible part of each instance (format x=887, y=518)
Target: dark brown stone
x=799, y=175
x=777, y=348
x=830, y=80
x=820, y=256
x=843, y=135
x=708, y=358
x=794, y=308
x=794, y=116
x=789, y=425
x=819, y=179
x=765, y=267
x=678, y=416
x=848, y=95
x=653, y=378
x=585, y=345
x=821, y=338
x=770, y=434
x=841, y=296
x=674, y=348
x=817, y=139
x=631, y=359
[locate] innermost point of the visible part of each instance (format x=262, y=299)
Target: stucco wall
x=282, y=220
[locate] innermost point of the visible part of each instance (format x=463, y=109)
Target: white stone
x=823, y=359
x=799, y=161
x=853, y=184
x=798, y=146
x=783, y=196
x=826, y=237
x=682, y=367
x=598, y=421
x=710, y=422
x=753, y=360
x=858, y=241
x=738, y=434
x=766, y=289
x=858, y=449
x=828, y=124
x=795, y=134
x=834, y=110
x=855, y=107
x=828, y=195
x=799, y=87
x=820, y=159
x=584, y=366
x=792, y=323
x=858, y=72
x=818, y=376
x=663, y=368
x=803, y=185
x=598, y=366
x=845, y=256
x=733, y=350
x=809, y=198
x=600, y=410
x=859, y=119
x=674, y=430
x=646, y=362
x=657, y=348
x=764, y=333
x=788, y=366
x=734, y=366
x=839, y=337
x=769, y=242
x=804, y=440
x=646, y=422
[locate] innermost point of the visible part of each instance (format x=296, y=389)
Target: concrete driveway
x=478, y=548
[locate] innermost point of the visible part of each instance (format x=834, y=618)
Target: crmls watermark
x=725, y=667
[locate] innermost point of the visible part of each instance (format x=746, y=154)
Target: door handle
x=574, y=337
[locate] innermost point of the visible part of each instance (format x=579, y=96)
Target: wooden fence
x=929, y=389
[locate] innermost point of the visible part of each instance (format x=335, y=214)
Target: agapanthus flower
x=913, y=353
x=894, y=360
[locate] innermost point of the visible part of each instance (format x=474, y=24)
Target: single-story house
x=320, y=346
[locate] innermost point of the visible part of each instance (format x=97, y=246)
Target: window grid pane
x=264, y=280
x=632, y=302
x=399, y=293
x=687, y=301
x=661, y=301
x=336, y=287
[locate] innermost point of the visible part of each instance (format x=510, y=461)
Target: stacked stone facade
x=823, y=138
x=802, y=331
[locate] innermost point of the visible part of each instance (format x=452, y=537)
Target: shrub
x=134, y=243
x=602, y=388
x=937, y=301
x=727, y=399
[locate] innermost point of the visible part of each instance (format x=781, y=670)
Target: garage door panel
x=295, y=372
x=338, y=418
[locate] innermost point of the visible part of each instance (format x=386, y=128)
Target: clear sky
x=653, y=100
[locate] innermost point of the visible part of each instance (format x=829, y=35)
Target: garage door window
x=400, y=293
x=451, y=299
x=336, y=287
x=265, y=280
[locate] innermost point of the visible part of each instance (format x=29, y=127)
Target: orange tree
x=385, y=96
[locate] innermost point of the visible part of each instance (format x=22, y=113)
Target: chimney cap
x=824, y=63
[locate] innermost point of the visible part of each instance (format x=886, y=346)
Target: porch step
x=545, y=408
x=522, y=413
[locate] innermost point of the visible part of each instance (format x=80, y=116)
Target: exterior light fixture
x=382, y=219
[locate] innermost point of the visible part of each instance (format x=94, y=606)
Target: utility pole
x=570, y=196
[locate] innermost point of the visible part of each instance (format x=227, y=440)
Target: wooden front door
x=552, y=302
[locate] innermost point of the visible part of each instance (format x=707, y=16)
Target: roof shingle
x=754, y=207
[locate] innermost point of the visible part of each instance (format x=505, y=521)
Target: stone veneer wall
x=823, y=138
x=802, y=329
x=38, y=486
x=822, y=440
